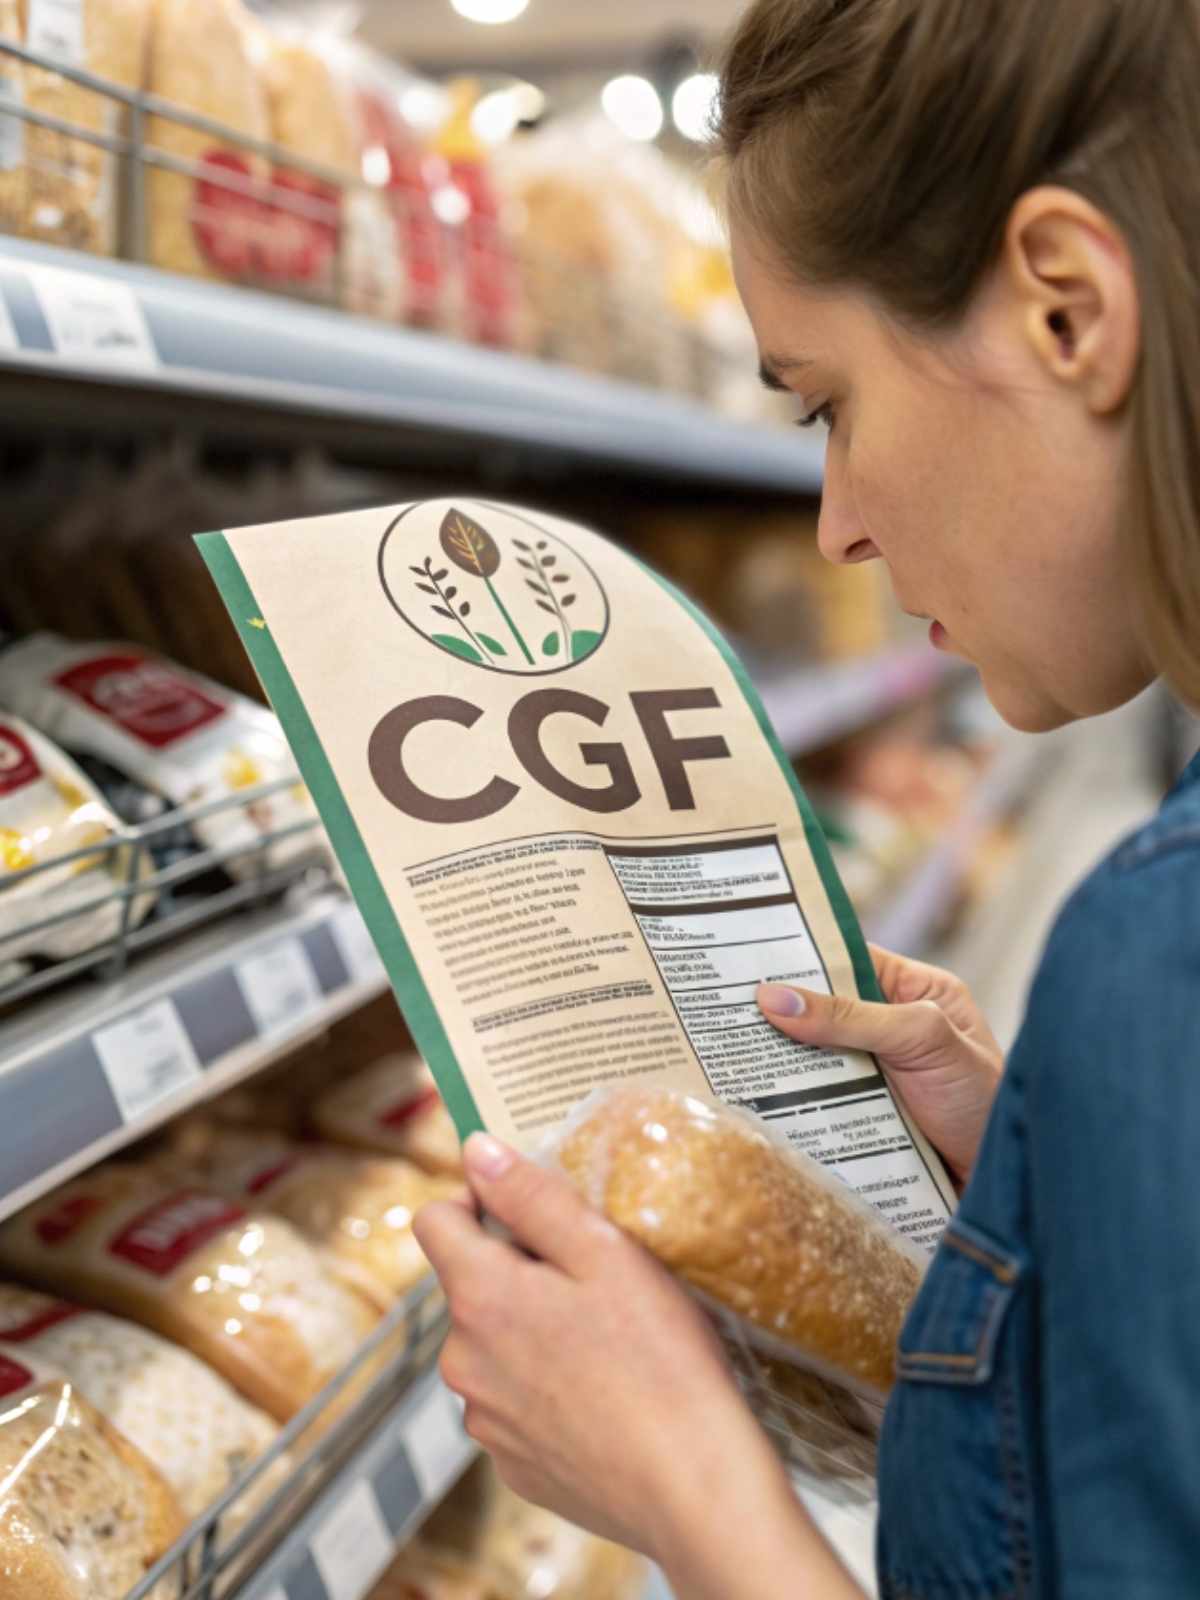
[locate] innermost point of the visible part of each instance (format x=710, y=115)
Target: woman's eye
x=824, y=413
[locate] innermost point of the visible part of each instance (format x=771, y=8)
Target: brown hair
x=881, y=145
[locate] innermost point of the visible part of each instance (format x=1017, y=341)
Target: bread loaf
x=356, y=1209
x=240, y=1289
x=422, y=1574
x=187, y=1421
x=83, y=1514
x=392, y=1107
x=768, y=1235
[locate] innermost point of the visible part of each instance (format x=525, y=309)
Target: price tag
x=55, y=29
x=353, y=1546
x=146, y=1057
x=437, y=1446
x=355, y=945
x=280, y=986
x=94, y=320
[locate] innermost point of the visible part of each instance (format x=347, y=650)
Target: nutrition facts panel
x=719, y=919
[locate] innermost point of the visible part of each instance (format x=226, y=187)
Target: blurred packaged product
x=50, y=809
x=422, y=1574
x=196, y=1430
x=392, y=1107
x=83, y=1513
x=241, y=1290
x=208, y=223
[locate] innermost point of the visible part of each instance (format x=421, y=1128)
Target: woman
x=967, y=233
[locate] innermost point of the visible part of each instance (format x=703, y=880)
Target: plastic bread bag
x=419, y=1573
x=173, y=733
x=50, y=809
x=808, y=1284
x=356, y=1209
x=83, y=1514
x=392, y=1107
x=188, y=1422
x=239, y=1288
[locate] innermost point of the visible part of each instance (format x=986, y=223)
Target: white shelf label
x=436, y=1443
x=355, y=945
x=146, y=1057
x=280, y=986
x=353, y=1546
x=55, y=29
x=94, y=320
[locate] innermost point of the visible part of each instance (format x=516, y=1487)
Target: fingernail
x=487, y=1156
x=780, y=1000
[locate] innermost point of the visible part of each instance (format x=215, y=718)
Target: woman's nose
x=841, y=537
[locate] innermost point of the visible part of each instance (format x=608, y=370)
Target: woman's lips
x=938, y=637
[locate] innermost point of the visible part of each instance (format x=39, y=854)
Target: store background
x=259, y=262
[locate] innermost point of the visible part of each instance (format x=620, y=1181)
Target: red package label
x=18, y=764
x=264, y=1178
x=13, y=1376
x=59, y=1223
x=39, y=1323
x=303, y=226
x=149, y=701
x=230, y=218
x=160, y=1238
x=396, y=1116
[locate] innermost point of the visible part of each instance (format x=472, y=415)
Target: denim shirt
x=1043, y=1439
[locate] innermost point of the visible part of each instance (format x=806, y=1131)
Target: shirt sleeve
x=1111, y=1059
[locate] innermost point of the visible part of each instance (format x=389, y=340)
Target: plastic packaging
x=393, y=1108
x=808, y=1284
x=171, y=731
x=187, y=1421
x=48, y=809
x=83, y=1514
x=422, y=1574
x=240, y=1289
x=356, y=1209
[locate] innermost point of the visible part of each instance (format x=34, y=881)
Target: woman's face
x=987, y=485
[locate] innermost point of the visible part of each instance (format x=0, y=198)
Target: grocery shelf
x=83, y=1074
x=812, y=706
x=109, y=344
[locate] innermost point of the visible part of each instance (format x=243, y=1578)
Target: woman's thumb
x=915, y=1031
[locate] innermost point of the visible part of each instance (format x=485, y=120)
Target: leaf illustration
x=442, y=612
x=560, y=577
x=420, y=571
x=583, y=642
x=426, y=588
x=528, y=565
x=544, y=605
x=551, y=643
x=568, y=600
x=465, y=608
x=440, y=577
x=541, y=544
x=494, y=645
x=538, y=588
x=450, y=591
x=469, y=545
x=520, y=544
x=549, y=561
x=458, y=647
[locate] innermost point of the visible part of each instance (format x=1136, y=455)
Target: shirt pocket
x=955, y=1508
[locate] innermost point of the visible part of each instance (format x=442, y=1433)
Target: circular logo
x=493, y=587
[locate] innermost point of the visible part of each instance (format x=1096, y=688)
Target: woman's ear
x=1074, y=283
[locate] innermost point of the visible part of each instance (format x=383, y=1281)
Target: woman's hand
x=931, y=1039
x=593, y=1380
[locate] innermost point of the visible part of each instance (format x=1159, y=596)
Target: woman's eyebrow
x=771, y=369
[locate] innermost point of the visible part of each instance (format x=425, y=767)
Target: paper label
x=146, y=699
x=94, y=320
x=436, y=1443
x=562, y=802
x=61, y=1221
x=12, y=126
x=352, y=1547
x=18, y=764
x=173, y=1229
x=146, y=1057
x=262, y=1180
x=406, y=1111
x=13, y=1377
x=55, y=29
x=355, y=945
x=280, y=986
x=41, y=1323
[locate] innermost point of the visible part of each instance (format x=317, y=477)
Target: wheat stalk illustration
x=434, y=583
x=473, y=550
x=545, y=583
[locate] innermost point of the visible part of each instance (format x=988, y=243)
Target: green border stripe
x=373, y=903
x=847, y=921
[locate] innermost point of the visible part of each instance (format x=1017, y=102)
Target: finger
x=455, y=1244
x=920, y=1030
x=540, y=1208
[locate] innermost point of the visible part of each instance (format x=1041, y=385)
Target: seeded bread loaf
x=83, y=1514
x=766, y=1234
x=392, y=1108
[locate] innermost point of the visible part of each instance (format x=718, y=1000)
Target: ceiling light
x=692, y=105
x=496, y=116
x=632, y=104
x=489, y=12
